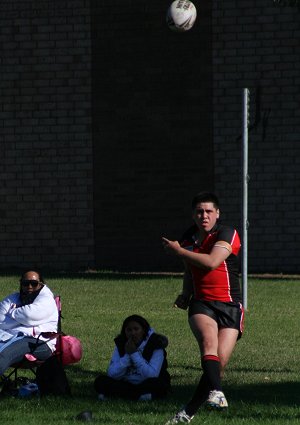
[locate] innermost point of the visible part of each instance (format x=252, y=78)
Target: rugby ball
x=181, y=15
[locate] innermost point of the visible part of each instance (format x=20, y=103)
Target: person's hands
x=11, y=308
x=171, y=247
x=130, y=346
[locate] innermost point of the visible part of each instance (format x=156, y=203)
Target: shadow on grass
x=284, y=394
x=279, y=394
x=257, y=402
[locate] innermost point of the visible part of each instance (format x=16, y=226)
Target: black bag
x=51, y=378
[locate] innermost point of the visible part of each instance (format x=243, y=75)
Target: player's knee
x=208, y=346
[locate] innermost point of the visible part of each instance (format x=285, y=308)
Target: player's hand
x=171, y=247
x=182, y=301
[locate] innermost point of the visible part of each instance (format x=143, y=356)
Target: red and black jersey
x=221, y=284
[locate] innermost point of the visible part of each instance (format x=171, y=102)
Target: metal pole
x=245, y=179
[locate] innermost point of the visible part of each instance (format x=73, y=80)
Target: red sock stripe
x=211, y=357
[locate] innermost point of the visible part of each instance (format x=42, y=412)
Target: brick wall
x=110, y=123
x=256, y=45
x=46, y=145
x=152, y=130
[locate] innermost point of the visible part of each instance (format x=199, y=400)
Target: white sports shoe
x=180, y=417
x=217, y=400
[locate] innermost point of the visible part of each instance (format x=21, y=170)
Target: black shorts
x=227, y=315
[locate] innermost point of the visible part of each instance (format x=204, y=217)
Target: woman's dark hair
x=135, y=318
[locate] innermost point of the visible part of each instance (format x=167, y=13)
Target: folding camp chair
x=30, y=362
x=68, y=351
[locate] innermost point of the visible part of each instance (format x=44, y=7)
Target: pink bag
x=70, y=349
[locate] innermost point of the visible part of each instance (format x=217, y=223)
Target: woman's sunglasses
x=33, y=283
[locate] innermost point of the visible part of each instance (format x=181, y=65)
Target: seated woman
x=24, y=316
x=138, y=367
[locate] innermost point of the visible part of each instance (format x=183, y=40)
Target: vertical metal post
x=245, y=179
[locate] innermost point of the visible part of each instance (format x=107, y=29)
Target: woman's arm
x=36, y=313
x=118, y=365
x=149, y=369
x=6, y=305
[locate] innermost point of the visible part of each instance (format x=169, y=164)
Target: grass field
x=262, y=383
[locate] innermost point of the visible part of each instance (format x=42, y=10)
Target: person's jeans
x=12, y=352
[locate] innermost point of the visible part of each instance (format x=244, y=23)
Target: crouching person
x=138, y=367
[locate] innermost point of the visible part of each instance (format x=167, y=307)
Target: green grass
x=261, y=383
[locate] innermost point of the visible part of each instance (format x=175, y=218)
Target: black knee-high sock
x=199, y=397
x=210, y=380
x=211, y=367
